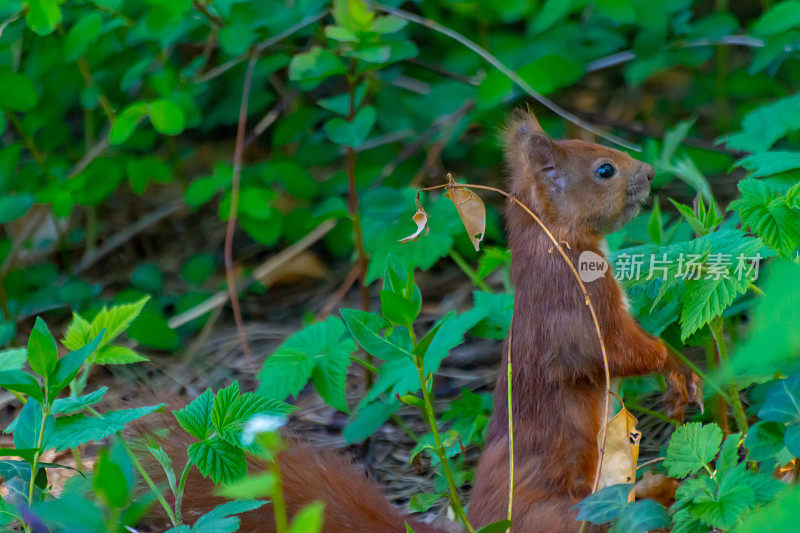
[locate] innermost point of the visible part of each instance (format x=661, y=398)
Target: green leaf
x=368, y=418
x=496, y=527
x=769, y=163
x=366, y=330
x=780, y=515
x=722, y=510
x=769, y=343
x=125, y=123
x=13, y=206
x=43, y=16
x=691, y=447
x=450, y=335
x=221, y=519
x=782, y=403
x=74, y=430
x=166, y=464
x=552, y=12
x=640, y=517
x=729, y=455
x=217, y=459
x=774, y=221
x=792, y=439
x=19, y=381
x=148, y=277
x=388, y=24
x=604, y=505
x=231, y=409
x=151, y=329
x=195, y=418
x=77, y=403
x=706, y=299
x=765, y=125
x=778, y=19
x=421, y=502
x=198, y=268
x=320, y=352
x=315, y=65
x=42, y=351
x=13, y=359
x=80, y=35
x=399, y=310
x=308, y=519
x=167, y=118
x=117, y=355
x=78, y=333
x=764, y=440
x=253, y=486
x=353, y=133
x=107, y=481
x=67, y=367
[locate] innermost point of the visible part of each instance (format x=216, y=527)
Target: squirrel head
x=581, y=190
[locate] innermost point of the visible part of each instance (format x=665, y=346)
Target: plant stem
x=796, y=471
x=718, y=332
x=469, y=271
x=238, y=152
x=37, y=454
x=179, y=495
x=655, y=414
x=439, y=450
x=150, y=482
x=369, y=366
x=278, y=505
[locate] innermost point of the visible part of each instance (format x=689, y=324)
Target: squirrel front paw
x=683, y=386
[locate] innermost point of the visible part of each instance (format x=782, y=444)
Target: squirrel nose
x=648, y=171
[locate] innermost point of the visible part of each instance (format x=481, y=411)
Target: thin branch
x=238, y=152
x=221, y=69
x=262, y=271
x=510, y=74
x=203, y=8
x=130, y=231
x=624, y=56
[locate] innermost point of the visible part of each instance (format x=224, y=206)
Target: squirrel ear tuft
x=539, y=150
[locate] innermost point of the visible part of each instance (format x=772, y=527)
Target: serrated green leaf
x=116, y=319
x=781, y=515
x=729, y=454
x=73, y=430
x=722, y=510
x=706, y=299
x=78, y=403
x=221, y=519
x=775, y=222
x=768, y=163
x=691, y=447
x=320, y=352
x=253, y=486
x=67, y=367
x=195, y=418
x=117, y=355
x=219, y=460
x=765, y=125
x=78, y=333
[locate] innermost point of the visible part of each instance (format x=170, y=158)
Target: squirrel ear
x=539, y=150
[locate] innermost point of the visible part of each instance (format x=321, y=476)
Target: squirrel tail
x=353, y=502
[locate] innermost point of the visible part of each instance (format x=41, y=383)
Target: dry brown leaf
x=471, y=210
x=304, y=266
x=622, y=450
x=421, y=219
x=657, y=487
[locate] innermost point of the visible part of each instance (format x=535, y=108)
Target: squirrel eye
x=605, y=171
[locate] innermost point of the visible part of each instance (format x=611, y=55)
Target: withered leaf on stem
x=421, y=219
x=622, y=450
x=471, y=210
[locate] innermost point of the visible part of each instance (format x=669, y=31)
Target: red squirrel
x=581, y=191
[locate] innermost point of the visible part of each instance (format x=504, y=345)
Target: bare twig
x=238, y=151
x=510, y=74
x=203, y=8
x=510, y=432
x=262, y=271
x=334, y=299
x=624, y=56
x=126, y=234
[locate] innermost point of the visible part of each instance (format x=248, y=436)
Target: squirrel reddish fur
x=559, y=380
